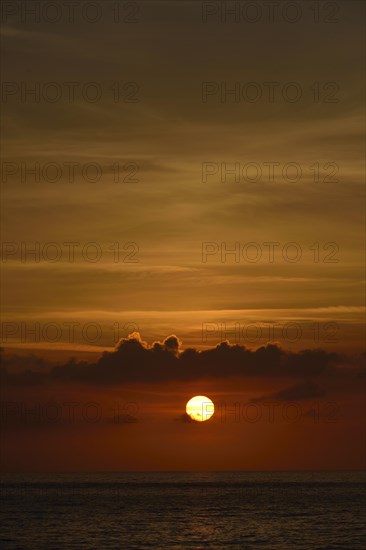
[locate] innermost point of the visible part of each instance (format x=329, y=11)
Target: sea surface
x=174, y=511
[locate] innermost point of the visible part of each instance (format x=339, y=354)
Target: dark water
x=184, y=510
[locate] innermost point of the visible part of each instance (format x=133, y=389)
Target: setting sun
x=200, y=408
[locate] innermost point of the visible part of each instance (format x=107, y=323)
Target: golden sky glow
x=174, y=237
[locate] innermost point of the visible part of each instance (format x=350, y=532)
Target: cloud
x=21, y=362
x=25, y=415
x=185, y=418
x=172, y=344
x=135, y=361
x=298, y=392
x=122, y=419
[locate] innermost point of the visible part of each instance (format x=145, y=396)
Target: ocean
x=175, y=511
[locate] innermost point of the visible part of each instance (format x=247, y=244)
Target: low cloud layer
x=298, y=392
x=135, y=361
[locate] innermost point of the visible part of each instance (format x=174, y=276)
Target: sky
x=182, y=214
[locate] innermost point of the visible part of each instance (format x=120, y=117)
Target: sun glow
x=200, y=408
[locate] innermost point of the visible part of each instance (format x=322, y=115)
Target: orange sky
x=306, y=415
x=323, y=433
x=190, y=211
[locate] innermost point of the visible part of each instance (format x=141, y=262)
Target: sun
x=200, y=408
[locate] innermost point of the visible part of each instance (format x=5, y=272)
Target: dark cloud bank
x=134, y=361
